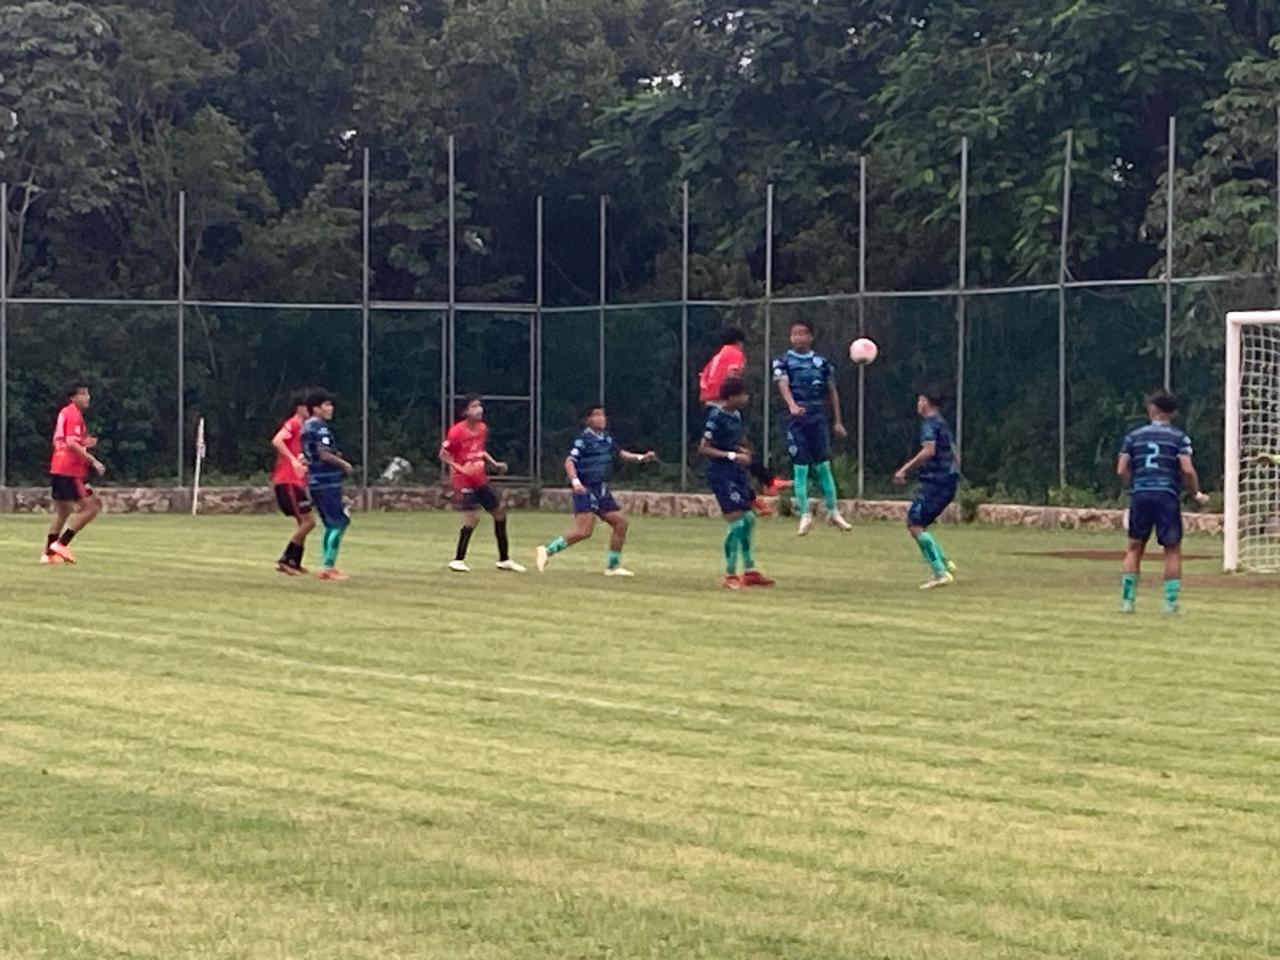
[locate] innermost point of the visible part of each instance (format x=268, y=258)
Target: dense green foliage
x=260, y=110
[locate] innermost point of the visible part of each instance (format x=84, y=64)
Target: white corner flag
x=200, y=452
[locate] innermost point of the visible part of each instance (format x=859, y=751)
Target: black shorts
x=1158, y=512
x=476, y=498
x=294, y=500
x=69, y=489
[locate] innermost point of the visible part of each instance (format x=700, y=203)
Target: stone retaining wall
x=250, y=500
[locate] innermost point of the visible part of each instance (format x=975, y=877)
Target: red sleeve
x=735, y=360
x=451, y=441
x=60, y=428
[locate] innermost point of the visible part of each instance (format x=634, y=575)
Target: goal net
x=1252, y=521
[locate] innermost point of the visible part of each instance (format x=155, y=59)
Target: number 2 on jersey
x=1153, y=457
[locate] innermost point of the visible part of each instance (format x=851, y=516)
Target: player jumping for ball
x=806, y=381
x=1154, y=462
x=936, y=466
x=588, y=466
x=325, y=469
x=464, y=453
x=727, y=477
x=289, y=479
x=74, y=502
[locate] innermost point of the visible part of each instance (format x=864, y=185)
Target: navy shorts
x=1156, y=511
x=597, y=499
x=932, y=499
x=732, y=487
x=808, y=439
x=470, y=499
x=328, y=503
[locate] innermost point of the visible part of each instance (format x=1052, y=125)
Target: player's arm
x=79, y=449
x=281, y=445
x=784, y=389
x=571, y=470
x=499, y=465
x=927, y=451
x=1124, y=469
x=837, y=417
x=1191, y=478
x=705, y=449
x=325, y=455
x=632, y=457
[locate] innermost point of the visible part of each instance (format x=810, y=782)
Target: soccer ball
x=863, y=351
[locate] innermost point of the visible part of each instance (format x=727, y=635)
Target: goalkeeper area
x=1252, y=520
x=202, y=758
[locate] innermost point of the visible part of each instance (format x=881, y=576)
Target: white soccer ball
x=863, y=351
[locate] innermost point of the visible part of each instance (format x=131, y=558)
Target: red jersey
x=466, y=446
x=284, y=472
x=70, y=426
x=728, y=362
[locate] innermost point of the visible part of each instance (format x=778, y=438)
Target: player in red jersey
x=74, y=502
x=464, y=453
x=730, y=362
x=290, y=481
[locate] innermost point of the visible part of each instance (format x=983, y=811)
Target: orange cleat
x=63, y=551
x=334, y=574
x=754, y=578
x=731, y=583
x=287, y=570
x=777, y=485
x=51, y=559
x=761, y=506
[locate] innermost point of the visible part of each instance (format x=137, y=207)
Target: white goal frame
x=1236, y=323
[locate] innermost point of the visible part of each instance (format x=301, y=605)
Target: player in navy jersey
x=807, y=384
x=722, y=445
x=588, y=466
x=325, y=469
x=1155, y=462
x=935, y=465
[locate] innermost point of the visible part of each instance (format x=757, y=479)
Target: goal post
x=1251, y=524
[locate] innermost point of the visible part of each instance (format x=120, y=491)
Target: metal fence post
x=450, y=336
x=1062, y=310
x=4, y=334
x=684, y=339
x=604, y=292
x=961, y=305
x=535, y=319
x=862, y=325
x=768, y=311
x=364, y=333
x=1168, y=254
x=182, y=335
x=1277, y=276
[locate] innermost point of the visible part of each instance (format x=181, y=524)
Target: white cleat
x=945, y=580
x=459, y=566
x=806, y=524
x=618, y=572
x=541, y=559
x=839, y=522
x=510, y=566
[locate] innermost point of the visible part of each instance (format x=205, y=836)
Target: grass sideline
x=202, y=759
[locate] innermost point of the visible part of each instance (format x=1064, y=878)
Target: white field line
x=428, y=679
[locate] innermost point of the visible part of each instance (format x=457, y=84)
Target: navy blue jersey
x=724, y=428
x=317, y=435
x=1153, y=453
x=809, y=375
x=943, y=464
x=592, y=456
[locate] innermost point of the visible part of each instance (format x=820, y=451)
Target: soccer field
x=202, y=758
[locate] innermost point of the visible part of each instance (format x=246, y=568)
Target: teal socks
x=615, y=559
x=558, y=545
x=732, y=547
x=332, y=541
x=748, y=522
x=932, y=553
x=800, y=476
x=1172, y=593
x=1129, y=590
x=827, y=481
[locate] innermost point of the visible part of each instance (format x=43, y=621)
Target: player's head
x=1162, y=405
x=298, y=402
x=733, y=393
x=595, y=417
x=471, y=408
x=78, y=393
x=733, y=337
x=929, y=399
x=802, y=336
x=320, y=404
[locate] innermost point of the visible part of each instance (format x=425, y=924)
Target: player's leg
x=294, y=503
x=751, y=577
x=732, y=549
x=923, y=512
x=334, y=516
x=618, y=525
x=470, y=517
x=85, y=509
x=798, y=448
x=584, y=524
x=61, y=511
x=493, y=504
x=1169, y=533
x=1142, y=521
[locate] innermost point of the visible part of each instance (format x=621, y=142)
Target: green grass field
x=200, y=758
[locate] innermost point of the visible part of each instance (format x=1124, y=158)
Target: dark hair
x=733, y=387
x=588, y=411
x=298, y=398
x=74, y=387
x=1163, y=401
x=318, y=398
x=467, y=401
x=803, y=323
x=732, y=335
x=935, y=393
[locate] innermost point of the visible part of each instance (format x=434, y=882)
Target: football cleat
x=777, y=485
x=459, y=566
x=334, y=574
x=754, y=578
x=761, y=506
x=731, y=582
x=51, y=559
x=806, y=524
x=618, y=572
x=839, y=522
x=1128, y=606
x=510, y=566
x=287, y=570
x=63, y=551
x=945, y=580
x=541, y=558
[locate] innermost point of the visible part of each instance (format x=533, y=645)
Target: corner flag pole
x=195, y=488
